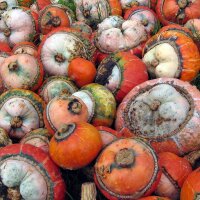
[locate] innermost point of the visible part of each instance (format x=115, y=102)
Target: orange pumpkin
x=177, y=11
x=40, y=4
x=174, y=172
x=172, y=54
x=53, y=16
x=64, y=109
x=75, y=145
x=127, y=169
x=81, y=71
x=191, y=186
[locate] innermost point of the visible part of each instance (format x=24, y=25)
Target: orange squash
x=53, y=16
x=191, y=186
x=172, y=54
x=75, y=145
x=64, y=109
x=127, y=169
x=81, y=71
x=174, y=172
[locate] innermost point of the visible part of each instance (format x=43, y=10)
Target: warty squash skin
x=165, y=112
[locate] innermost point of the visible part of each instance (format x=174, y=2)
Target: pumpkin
x=53, y=16
x=174, y=172
x=4, y=138
x=75, y=145
x=146, y=16
x=120, y=72
x=39, y=138
x=62, y=45
x=127, y=169
x=177, y=12
x=64, y=109
x=163, y=111
x=191, y=186
x=116, y=34
x=100, y=103
x=21, y=71
x=55, y=86
x=94, y=12
x=172, y=54
x=28, y=173
x=7, y=4
x=20, y=112
x=107, y=134
x=18, y=25
x=194, y=26
x=25, y=47
x=81, y=71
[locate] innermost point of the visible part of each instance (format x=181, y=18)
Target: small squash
x=75, y=145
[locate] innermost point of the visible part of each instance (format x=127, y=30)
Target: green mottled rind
x=105, y=104
x=30, y=96
x=58, y=89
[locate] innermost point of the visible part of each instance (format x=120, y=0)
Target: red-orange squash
x=127, y=169
x=81, y=71
x=191, y=186
x=174, y=172
x=64, y=109
x=27, y=172
x=171, y=53
x=75, y=145
x=165, y=112
x=53, y=16
x=177, y=11
x=121, y=72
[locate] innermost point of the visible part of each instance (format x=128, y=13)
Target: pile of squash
x=102, y=87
